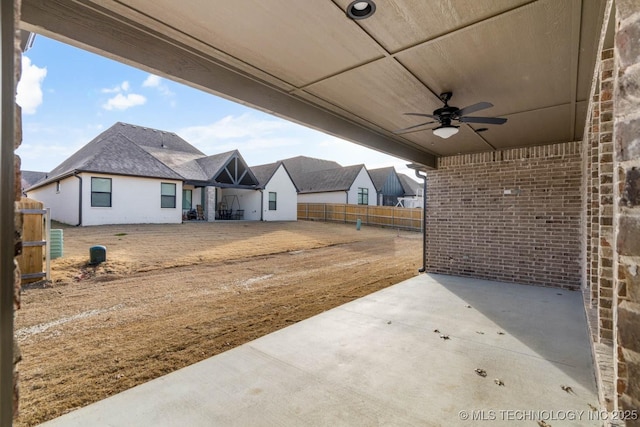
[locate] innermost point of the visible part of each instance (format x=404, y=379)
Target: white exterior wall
x=286, y=198
x=329, y=197
x=249, y=201
x=63, y=204
x=363, y=180
x=133, y=201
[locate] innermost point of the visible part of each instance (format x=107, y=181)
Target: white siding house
x=362, y=191
x=63, y=197
x=130, y=174
x=350, y=185
x=278, y=193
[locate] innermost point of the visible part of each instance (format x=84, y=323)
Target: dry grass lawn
x=171, y=295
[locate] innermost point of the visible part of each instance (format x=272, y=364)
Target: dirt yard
x=172, y=295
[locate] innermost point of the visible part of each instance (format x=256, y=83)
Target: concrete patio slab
x=377, y=361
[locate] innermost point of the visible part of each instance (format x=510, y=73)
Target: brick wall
x=17, y=356
x=530, y=236
x=604, y=181
x=627, y=201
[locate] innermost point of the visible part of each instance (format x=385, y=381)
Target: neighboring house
x=349, y=185
x=30, y=178
x=279, y=194
x=413, y=193
x=388, y=185
x=325, y=181
x=130, y=174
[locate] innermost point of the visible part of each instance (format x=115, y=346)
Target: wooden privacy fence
x=34, y=260
x=381, y=216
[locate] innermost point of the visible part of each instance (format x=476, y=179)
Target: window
x=363, y=196
x=101, y=192
x=167, y=195
x=186, y=199
x=273, y=198
x=57, y=186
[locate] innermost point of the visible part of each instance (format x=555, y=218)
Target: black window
x=101, y=192
x=167, y=195
x=273, y=199
x=363, y=196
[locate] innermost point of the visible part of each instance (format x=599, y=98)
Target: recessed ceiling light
x=361, y=9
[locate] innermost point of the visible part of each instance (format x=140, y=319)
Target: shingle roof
x=411, y=187
x=212, y=165
x=337, y=179
x=112, y=152
x=302, y=165
x=126, y=149
x=379, y=176
x=30, y=178
x=263, y=173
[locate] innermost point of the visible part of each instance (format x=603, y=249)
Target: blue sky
x=69, y=96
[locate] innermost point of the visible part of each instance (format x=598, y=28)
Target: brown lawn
x=171, y=295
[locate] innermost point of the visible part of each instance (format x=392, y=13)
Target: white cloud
x=236, y=128
x=157, y=82
x=152, y=81
x=29, y=95
x=122, y=87
x=122, y=102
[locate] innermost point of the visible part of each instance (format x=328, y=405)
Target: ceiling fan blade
x=412, y=127
x=473, y=108
x=416, y=130
x=487, y=120
x=421, y=115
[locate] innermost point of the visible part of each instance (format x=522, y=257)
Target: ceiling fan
x=446, y=114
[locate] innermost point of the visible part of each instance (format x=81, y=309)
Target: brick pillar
x=605, y=194
x=593, y=217
x=17, y=356
x=627, y=207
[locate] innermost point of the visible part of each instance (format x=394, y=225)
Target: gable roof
x=337, y=179
x=299, y=166
x=411, y=186
x=112, y=152
x=227, y=169
x=263, y=173
x=126, y=149
x=30, y=178
x=379, y=176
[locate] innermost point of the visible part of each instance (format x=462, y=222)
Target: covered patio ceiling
x=310, y=63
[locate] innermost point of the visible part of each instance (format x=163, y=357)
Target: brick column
x=593, y=219
x=627, y=207
x=605, y=193
x=17, y=356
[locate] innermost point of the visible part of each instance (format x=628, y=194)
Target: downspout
x=75, y=174
x=261, y=204
x=424, y=221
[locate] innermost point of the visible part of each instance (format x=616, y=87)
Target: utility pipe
x=424, y=221
x=75, y=174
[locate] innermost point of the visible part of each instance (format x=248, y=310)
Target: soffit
x=308, y=62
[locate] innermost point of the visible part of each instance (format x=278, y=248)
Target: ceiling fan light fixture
x=361, y=9
x=445, y=132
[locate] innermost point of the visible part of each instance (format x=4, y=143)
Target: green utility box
x=97, y=254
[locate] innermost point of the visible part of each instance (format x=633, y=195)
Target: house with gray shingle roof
x=132, y=174
x=279, y=201
x=388, y=185
x=325, y=181
x=413, y=192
